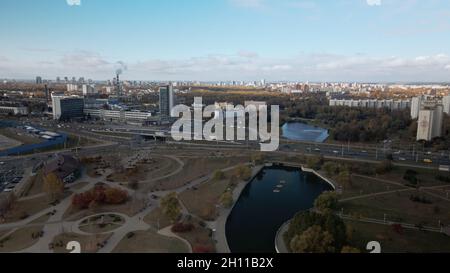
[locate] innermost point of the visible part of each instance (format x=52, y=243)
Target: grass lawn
x=199, y=237
x=150, y=242
x=19, y=135
x=426, y=177
x=362, y=186
x=410, y=241
x=24, y=209
x=157, y=219
x=95, y=225
x=202, y=201
x=22, y=238
x=88, y=242
x=196, y=168
x=399, y=207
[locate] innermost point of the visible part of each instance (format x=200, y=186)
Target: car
x=8, y=190
x=364, y=152
x=402, y=159
x=429, y=161
x=336, y=152
x=2, y=163
x=317, y=149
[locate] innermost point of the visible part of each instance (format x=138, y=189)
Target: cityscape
x=91, y=159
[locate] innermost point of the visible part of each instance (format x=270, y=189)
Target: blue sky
x=316, y=40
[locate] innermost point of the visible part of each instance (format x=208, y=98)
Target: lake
x=303, y=132
x=260, y=212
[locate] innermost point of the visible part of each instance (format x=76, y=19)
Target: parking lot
x=10, y=176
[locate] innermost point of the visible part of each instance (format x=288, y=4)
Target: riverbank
x=220, y=224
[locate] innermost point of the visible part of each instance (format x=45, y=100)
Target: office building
x=166, y=100
x=38, y=80
x=65, y=108
x=430, y=121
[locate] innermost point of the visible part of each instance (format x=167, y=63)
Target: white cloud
x=373, y=2
x=240, y=66
x=73, y=2
x=248, y=3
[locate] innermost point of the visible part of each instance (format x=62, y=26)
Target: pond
x=267, y=202
x=303, y=132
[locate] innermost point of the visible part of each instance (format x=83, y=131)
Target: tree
x=326, y=202
x=315, y=162
x=350, y=250
x=258, y=158
x=344, y=178
x=171, y=206
x=115, y=196
x=227, y=199
x=384, y=167
x=53, y=186
x=218, y=175
x=243, y=172
x=330, y=168
x=313, y=240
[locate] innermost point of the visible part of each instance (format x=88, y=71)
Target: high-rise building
x=65, y=108
x=38, y=80
x=89, y=89
x=58, y=79
x=416, y=104
x=166, y=100
x=446, y=104
x=430, y=121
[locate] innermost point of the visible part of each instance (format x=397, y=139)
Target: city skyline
x=354, y=40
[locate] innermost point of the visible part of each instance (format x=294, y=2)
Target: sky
x=219, y=40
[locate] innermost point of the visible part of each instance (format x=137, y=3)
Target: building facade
x=166, y=100
x=430, y=121
x=65, y=108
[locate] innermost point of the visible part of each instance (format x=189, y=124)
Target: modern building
x=116, y=115
x=65, y=107
x=166, y=100
x=38, y=80
x=430, y=121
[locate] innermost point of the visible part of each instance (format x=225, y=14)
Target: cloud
x=73, y=2
x=240, y=66
x=248, y=3
x=373, y=2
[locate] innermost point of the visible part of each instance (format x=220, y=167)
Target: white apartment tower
x=430, y=121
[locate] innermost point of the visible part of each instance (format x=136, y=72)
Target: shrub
x=182, y=228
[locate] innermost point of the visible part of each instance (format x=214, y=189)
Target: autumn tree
x=344, y=178
x=53, y=186
x=313, y=240
x=171, y=206
x=243, y=172
x=227, y=199
x=326, y=202
x=218, y=175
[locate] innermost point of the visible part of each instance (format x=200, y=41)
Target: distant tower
x=166, y=100
x=118, y=87
x=46, y=94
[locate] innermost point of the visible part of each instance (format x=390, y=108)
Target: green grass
x=410, y=241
